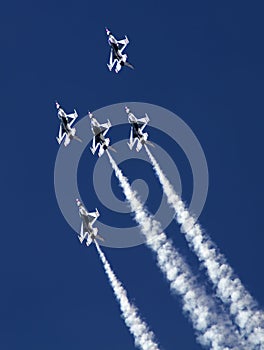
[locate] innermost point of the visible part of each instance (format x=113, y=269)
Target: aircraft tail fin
x=129, y=65
x=77, y=138
x=73, y=135
x=99, y=237
x=104, y=147
x=112, y=149
x=150, y=144
x=69, y=136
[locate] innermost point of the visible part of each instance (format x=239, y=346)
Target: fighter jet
x=116, y=55
x=99, y=140
x=66, y=129
x=88, y=232
x=136, y=133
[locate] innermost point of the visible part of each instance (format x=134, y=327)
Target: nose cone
x=90, y=114
x=127, y=109
x=107, y=31
x=57, y=104
x=78, y=202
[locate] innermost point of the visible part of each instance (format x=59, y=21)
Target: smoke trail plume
x=213, y=329
x=144, y=338
x=229, y=288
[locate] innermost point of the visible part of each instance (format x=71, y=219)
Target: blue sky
x=201, y=60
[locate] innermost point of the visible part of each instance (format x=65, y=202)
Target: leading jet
x=66, y=129
x=99, y=140
x=136, y=133
x=88, y=232
x=116, y=54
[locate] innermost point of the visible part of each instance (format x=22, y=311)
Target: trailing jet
x=136, y=133
x=116, y=55
x=66, y=129
x=99, y=140
x=88, y=232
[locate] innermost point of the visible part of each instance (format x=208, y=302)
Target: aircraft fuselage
x=99, y=138
x=115, y=47
x=136, y=130
x=64, y=123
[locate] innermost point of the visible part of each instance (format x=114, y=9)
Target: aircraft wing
x=105, y=127
x=92, y=217
x=104, y=130
x=99, y=237
x=94, y=214
x=144, y=120
x=96, y=129
x=73, y=115
x=123, y=44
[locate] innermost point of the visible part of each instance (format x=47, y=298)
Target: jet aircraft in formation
x=100, y=130
x=136, y=132
x=88, y=232
x=66, y=129
x=117, y=58
x=99, y=140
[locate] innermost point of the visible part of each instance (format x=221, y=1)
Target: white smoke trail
x=144, y=338
x=213, y=329
x=228, y=287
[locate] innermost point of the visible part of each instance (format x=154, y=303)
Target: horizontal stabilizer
x=130, y=145
x=101, y=151
x=67, y=141
x=139, y=146
x=59, y=140
x=89, y=241
x=92, y=150
x=81, y=239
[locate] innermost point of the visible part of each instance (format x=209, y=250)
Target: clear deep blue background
x=201, y=60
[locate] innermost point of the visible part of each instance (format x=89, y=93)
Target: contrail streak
x=229, y=288
x=213, y=329
x=144, y=338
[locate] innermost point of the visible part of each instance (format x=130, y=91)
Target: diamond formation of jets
x=136, y=132
x=99, y=140
x=88, y=232
x=66, y=129
x=117, y=58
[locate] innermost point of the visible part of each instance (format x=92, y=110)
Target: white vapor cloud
x=242, y=307
x=213, y=329
x=144, y=338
